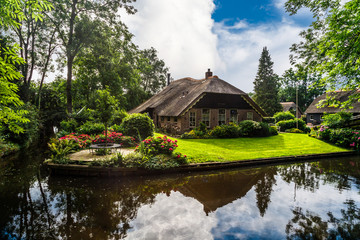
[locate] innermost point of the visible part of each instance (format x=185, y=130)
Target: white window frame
x=237, y=116
x=192, y=118
x=224, y=116
x=250, y=116
x=204, y=115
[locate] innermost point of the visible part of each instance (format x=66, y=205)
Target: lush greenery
x=281, y=116
x=247, y=128
x=266, y=86
x=330, y=45
x=222, y=150
x=343, y=137
x=94, y=47
x=337, y=120
x=138, y=125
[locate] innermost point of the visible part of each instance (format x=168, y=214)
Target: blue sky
x=226, y=36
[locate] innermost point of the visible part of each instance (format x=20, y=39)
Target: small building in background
x=185, y=103
x=291, y=107
x=314, y=113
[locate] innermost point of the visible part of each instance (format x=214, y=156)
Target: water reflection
x=305, y=200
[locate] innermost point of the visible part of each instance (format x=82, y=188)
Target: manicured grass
x=223, y=150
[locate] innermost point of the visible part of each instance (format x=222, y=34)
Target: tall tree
x=301, y=81
x=11, y=15
x=331, y=44
x=266, y=86
x=74, y=21
x=112, y=59
x=37, y=43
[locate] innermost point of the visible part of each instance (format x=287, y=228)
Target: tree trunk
x=68, y=85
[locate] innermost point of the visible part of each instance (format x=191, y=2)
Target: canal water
x=312, y=200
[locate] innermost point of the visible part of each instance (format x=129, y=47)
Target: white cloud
x=173, y=217
x=190, y=42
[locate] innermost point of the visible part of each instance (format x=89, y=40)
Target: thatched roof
x=176, y=98
x=288, y=105
x=341, y=96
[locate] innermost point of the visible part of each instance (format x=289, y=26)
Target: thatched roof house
x=186, y=102
x=314, y=113
x=291, y=106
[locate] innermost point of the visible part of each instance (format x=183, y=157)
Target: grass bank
x=223, y=150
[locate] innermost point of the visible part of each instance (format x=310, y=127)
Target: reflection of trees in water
x=304, y=175
x=263, y=189
x=309, y=225
x=340, y=173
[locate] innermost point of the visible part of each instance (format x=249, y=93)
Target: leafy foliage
x=154, y=146
x=292, y=123
x=60, y=149
x=138, y=124
x=337, y=120
x=280, y=116
x=330, y=46
x=225, y=131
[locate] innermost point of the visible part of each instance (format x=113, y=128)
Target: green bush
x=269, y=120
x=343, y=137
x=282, y=116
x=91, y=128
x=69, y=126
x=7, y=148
x=154, y=146
x=60, y=149
x=249, y=128
x=294, y=130
x=138, y=124
x=116, y=128
x=118, y=116
x=288, y=124
x=337, y=120
x=273, y=130
x=225, y=131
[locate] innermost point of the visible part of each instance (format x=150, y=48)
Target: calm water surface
x=315, y=200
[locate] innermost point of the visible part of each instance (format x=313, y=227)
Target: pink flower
x=178, y=156
x=169, y=140
x=162, y=146
x=170, y=149
x=184, y=155
x=352, y=144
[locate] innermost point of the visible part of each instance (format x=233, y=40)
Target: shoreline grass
x=232, y=149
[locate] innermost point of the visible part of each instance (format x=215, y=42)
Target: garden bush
x=282, y=116
x=343, y=137
x=289, y=124
x=225, y=131
x=294, y=130
x=337, y=120
x=159, y=145
x=91, y=128
x=249, y=128
x=69, y=125
x=269, y=120
x=273, y=130
x=138, y=124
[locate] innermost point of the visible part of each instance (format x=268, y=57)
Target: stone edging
x=98, y=171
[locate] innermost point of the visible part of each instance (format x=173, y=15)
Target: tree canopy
x=331, y=45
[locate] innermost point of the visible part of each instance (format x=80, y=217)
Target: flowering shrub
x=83, y=140
x=154, y=146
x=114, y=137
x=343, y=137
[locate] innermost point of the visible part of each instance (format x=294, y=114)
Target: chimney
x=168, y=79
x=208, y=74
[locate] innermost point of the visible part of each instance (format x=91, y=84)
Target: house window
x=311, y=117
x=192, y=119
x=162, y=119
x=233, y=116
x=175, y=119
x=168, y=119
x=205, y=117
x=221, y=116
x=250, y=115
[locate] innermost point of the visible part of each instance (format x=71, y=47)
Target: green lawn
x=222, y=150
